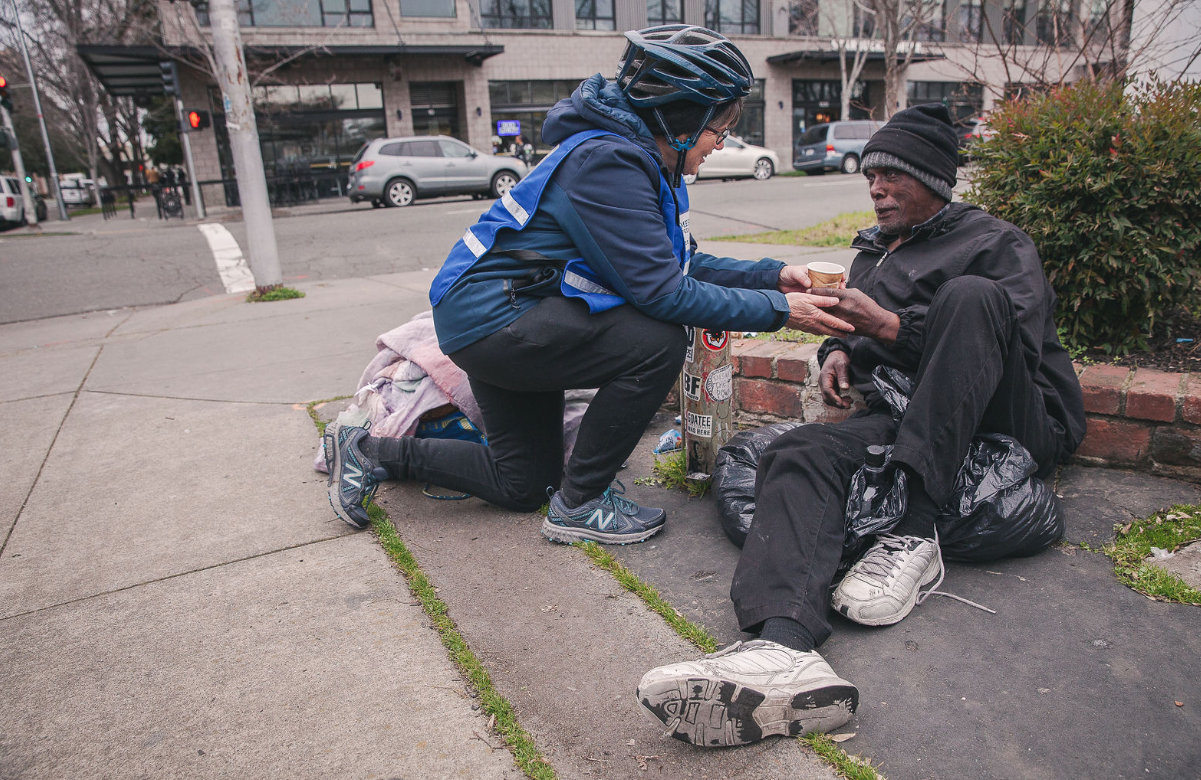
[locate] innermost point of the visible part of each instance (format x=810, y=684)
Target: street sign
x=506, y=127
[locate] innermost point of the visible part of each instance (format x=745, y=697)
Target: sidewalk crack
x=176, y=575
x=41, y=466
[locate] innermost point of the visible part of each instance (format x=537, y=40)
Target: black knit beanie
x=921, y=142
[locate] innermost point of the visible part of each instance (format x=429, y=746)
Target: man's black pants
x=974, y=376
x=518, y=376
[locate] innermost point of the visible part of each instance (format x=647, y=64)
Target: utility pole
x=37, y=105
x=244, y=143
x=31, y=215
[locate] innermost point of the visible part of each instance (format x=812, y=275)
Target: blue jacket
x=602, y=204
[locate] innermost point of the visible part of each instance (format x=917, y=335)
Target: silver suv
x=397, y=171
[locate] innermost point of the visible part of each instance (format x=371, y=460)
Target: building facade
x=342, y=72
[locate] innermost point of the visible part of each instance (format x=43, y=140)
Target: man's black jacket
x=961, y=240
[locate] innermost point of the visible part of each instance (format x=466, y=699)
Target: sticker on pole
x=719, y=384
x=700, y=425
x=692, y=386
x=691, y=334
x=714, y=340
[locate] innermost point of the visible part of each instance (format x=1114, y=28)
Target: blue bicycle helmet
x=675, y=62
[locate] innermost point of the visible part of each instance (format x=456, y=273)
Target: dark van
x=836, y=146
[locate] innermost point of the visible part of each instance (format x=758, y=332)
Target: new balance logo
x=352, y=474
x=600, y=520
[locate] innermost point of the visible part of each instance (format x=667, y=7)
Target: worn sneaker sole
x=844, y=609
x=334, y=463
x=567, y=535
x=714, y=712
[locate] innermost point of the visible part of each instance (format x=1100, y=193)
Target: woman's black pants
x=518, y=376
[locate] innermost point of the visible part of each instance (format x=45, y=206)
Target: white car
x=12, y=205
x=76, y=192
x=737, y=159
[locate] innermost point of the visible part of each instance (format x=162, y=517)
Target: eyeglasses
x=722, y=136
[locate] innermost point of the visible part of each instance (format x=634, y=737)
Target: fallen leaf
x=1125, y=529
x=630, y=743
x=1179, y=704
x=491, y=722
x=842, y=737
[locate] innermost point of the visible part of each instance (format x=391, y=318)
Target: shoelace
x=879, y=563
x=620, y=502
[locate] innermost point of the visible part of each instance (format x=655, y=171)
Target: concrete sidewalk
x=177, y=599
x=176, y=596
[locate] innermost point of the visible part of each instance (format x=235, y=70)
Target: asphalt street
x=91, y=265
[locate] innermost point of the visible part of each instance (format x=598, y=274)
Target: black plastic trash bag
x=876, y=501
x=734, y=477
x=997, y=509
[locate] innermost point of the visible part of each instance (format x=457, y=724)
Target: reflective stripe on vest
x=513, y=211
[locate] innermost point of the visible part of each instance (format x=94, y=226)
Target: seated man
x=953, y=297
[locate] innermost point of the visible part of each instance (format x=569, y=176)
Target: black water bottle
x=875, y=481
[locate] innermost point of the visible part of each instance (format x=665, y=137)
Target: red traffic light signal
x=5, y=100
x=197, y=120
x=3, y=82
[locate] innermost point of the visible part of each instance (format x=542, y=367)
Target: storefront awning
x=133, y=70
x=827, y=56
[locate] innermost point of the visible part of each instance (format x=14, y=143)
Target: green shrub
x=1109, y=187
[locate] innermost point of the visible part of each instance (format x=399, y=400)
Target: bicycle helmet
x=675, y=62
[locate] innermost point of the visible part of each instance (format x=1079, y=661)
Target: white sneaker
x=885, y=584
x=746, y=692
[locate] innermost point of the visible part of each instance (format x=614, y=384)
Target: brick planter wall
x=1140, y=419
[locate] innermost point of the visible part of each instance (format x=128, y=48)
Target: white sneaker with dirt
x=885, y=584
x=746, y=692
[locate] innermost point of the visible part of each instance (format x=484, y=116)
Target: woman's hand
x=806, y=314
x=794, y=279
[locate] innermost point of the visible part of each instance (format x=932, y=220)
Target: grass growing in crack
x=672, y=472
x=839, y=232
x=694, y=633
x=788, y=334
x=280, y=293
x=1168, y=530
x=312, y=407
x=525, y=753
x=848, y=766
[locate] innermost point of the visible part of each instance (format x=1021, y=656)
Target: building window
x=803, y=18
x=299, y=13
x=932, y=26
x=971, y=21
x=594, y=15
x=963, y=100
x=437, y=9
x=516, y=14
x=816, y=102
x=750, y=124
x=290, y=98
x=863, y=21
x=1098, y=20
x=1014, y=22
x=519, y=108
x=1054, y=26
x=664, y=11
x=732, y=17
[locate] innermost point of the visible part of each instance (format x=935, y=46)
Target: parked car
x=76, y=192
x=737, y=159
x=397, y=171
x=970, y=132
x=833, y=146
x=12, y=205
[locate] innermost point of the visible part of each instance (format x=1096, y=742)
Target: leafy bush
x=1108, y=184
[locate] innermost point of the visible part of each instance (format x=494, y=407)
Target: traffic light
x=197, y=119
x=170, y=79
x=5, y=100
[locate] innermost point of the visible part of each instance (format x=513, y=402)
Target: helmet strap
x=682, y=147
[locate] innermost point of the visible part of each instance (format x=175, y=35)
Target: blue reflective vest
x=513, y=211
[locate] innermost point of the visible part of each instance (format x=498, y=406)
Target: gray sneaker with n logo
x=610, y=518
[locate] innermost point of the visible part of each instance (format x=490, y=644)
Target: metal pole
x=37, y=105
x=244, y=143
x=187, y=157
x=31, y=215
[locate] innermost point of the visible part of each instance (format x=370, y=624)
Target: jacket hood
x=597, y=103
x=947, y=219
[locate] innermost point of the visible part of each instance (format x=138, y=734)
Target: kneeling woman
x=581, y=277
